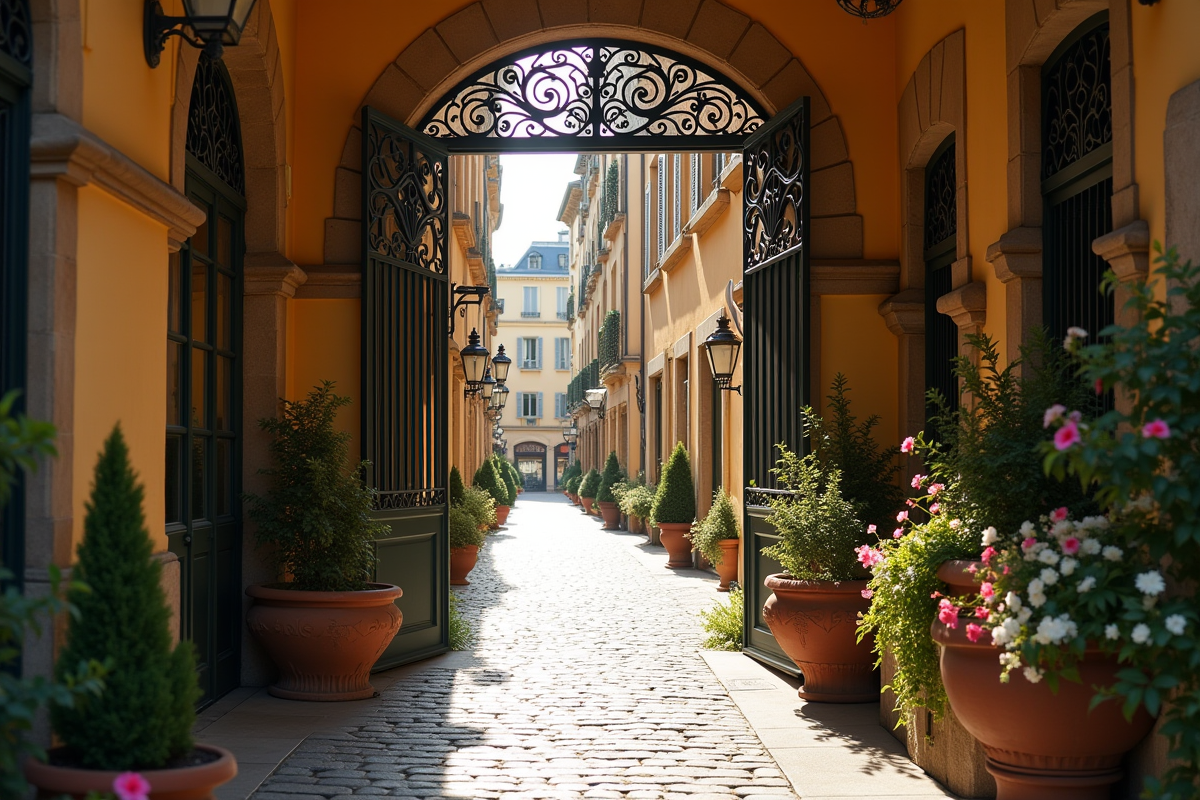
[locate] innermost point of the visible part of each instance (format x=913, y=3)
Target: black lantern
x=570, y=433
x=213, y=23
x=488, y=386
x=500, y=397
x=723, y=347
x=474, y=361
x=596, y=398
x=500, y=365
x=869, y=9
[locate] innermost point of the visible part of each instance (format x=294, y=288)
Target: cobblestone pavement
x=586, y=683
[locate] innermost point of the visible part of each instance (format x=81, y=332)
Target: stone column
x=1017, y=259
x=904, y=314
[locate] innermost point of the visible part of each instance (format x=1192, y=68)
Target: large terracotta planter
x=184, y=783
x=673, y=536
x=502, y=514
x=324, y=643
x=589, y=504
x=574, y=499
x=462, y=561
x=612, y=515
x=636, y=524
x=727, y=570
x=1039, y=744
x=816, y=624
x=959, y=580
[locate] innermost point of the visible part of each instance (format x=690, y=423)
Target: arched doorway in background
x=531, y=463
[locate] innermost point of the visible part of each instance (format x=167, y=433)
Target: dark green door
x=776, y=368
x=405, y=349
x=204, y=397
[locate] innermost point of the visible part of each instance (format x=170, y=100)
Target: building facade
x=533, y=294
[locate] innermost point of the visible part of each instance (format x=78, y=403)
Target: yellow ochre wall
x=324, y=336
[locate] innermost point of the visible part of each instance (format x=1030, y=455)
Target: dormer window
x=535, y=260
x=562, y=260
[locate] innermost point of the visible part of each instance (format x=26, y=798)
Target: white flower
x=1013, y=600
x=1026, y=528
x=1055, y=630
x=1089, y=546
x=1141, y=633
x=1036, y=586
x=1010, y=660
x=1012, y=626
x=1150, y=583
x=1023, y=615
x=1112, y=632
x=1067, y=565
x=1113, y=553
x=990, y=536
x=1062, y=529
x=1037, y=599
x=1176, y=624
x=1076, y=332
x=1000, y=636
x=1086, y=585
x=1048, y=556
x=1053, y=413
x=1049, y=576
x=1032, y=674
x=1096, y=522
x=955, y=524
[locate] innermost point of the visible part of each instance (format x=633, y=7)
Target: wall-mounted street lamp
x=474, y=361
x=570, y=433
x=596, y=399
x=213, y=25
x=488, y=386
x=465, y=296
x=723, y=347
x=499, y=397
x=500, y=365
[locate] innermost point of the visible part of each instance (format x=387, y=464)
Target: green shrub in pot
x=637, y=501
x=488, y=479
x=480, y=505
x=675, y=498
x=590, y=485
x=464, y=530
x=456, y=486
x=719, y=524
x=611, y=476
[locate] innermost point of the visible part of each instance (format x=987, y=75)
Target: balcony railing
x=531, y=313
x=610, y=342
x=563, y=314
x=571, y=305
x=588, y=378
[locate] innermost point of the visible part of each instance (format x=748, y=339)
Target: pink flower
x=935, y=508
x=1156, y=429
x=987, y=590
x=989, y=553
x=1059, y=514
x=131, y=786
x=972, y=569
x=935, y=488
x=868, y=557
x=974, y=631
x=896, y=534
x=1053, y=414
x=983, y=612
x=907, y=445
x=903, y=515
x=1005, y=570
x=871, y=529
x=948, y=614
x=917, y=479
x=1028, y=543
x=1067, y=436
x=868, y=593
x=1070, y=545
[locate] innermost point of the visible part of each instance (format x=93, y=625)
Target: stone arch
x=708, y=31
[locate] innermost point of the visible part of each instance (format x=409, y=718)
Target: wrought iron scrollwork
x=758, y=497
x=1077, y=102
x=941, y=199
x=16, y=32
x=417, y=498
x=773, y=191
x=213, y=134
x=603, y=91
x=406, y=200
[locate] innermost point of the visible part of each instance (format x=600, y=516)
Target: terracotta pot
x=728, y=568
x=960, y=582
x=679, y=548
x=612, y=515
x=502, y=514
x=185, y=783
x=462, y=561
x=574, y=499
x=655, y=534
x=816, y=624
x=635, y=524
x=324, y=643
x=589, y=504
x=1039, y=744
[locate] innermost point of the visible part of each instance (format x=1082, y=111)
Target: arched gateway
x=598, y=95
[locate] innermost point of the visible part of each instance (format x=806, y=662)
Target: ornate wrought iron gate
x=776, y=368
x=405, y=351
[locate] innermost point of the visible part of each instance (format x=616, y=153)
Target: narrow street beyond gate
x=585, y=681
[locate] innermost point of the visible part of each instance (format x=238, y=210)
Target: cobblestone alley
x=586, y=683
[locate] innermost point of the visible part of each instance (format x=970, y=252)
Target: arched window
x=1076, y=179
x=941, y=229
x=204, y=398
x=535, y=260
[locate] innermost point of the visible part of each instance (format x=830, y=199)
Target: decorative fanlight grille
x=869, y=9
x=213, y=133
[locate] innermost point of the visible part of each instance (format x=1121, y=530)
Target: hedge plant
x=590, y=485
x=610, y=477
x=675, y=500
x=638, y=501
x=480, y=505
x=464, y=531
x=719, y=524
x=144, y=716
x=456, y=486
x=487, y=479
x=504, y=473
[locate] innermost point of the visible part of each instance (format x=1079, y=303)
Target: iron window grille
x=940, y=249
x=676, y=196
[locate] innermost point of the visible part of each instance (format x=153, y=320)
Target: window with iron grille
x=941, y=228
x=662, y=207
x=719, y=161
x=676, y=195
x=530, y=308
x=562, y=353
x=1076, y=179
x=694, y=174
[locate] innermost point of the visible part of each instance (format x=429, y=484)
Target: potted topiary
x=564, y=480
x=512, y=479
x=488, y=479
x=718, y=539
x=588, y=488
x=674, y=508
x=604, y=493
x=480, y=506
x=573, y=485
x=465, y=541
x=143, y=719
x=456, y=486
x=327, y=625
x=636, y=503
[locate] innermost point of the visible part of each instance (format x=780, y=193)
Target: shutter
x=695, y=178
x=676, y=195
x=539, y=353
x=662, y=207
x=539, y=405
x=647, y=261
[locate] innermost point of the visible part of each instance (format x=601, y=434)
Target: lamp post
x=723, y=347
x=570, y=436
x=213, y=24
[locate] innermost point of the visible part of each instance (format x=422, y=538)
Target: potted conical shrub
x=636, y=503
x=605, y=498
x=674, y=508
x=329, y=623
x=465, y=541
x=506, y=470
x=573, y=484
x=457, y=488
x=480, y=506
x=717, y=538
x=143, y=718
x=588, y=489
x=488, y=479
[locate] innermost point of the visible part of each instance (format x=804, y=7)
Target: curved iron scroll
x=773, y=190
x=16, y=33
x=1077, y=102
x=941, y=198
x=405, y=200
x=213, y=134
x=599, y=93
x=420, y=498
